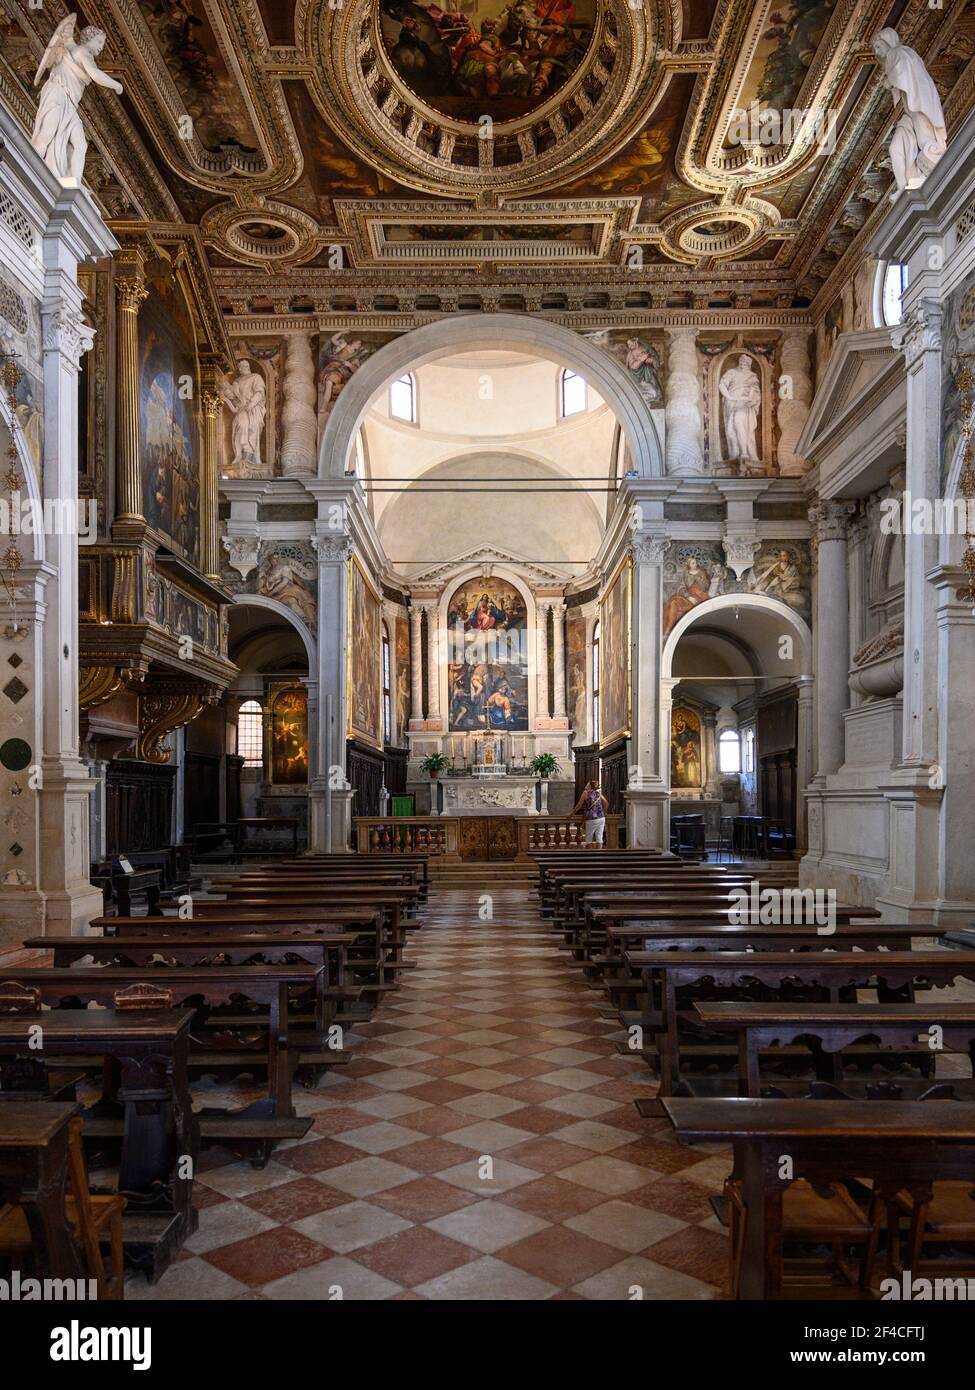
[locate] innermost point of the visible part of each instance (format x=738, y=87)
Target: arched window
x=595, y=684
x=402, y=399
x=250, y=733
x=387, y=701
x=572, y=394
x=729, y=751
x=895, y=283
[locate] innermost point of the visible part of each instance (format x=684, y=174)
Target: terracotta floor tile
x=263, y=1258
x=317, y=1156
x=423, y=1199
x=685, y=1200
x=553, y=1198
x=430, y=1155
x=413, y=1256
x=438, y=1091
x=560, y=1255
x=702, y=1254
x=546, y=1155
x=294, y=1200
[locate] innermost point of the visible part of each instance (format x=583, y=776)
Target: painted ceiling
x=342, y=147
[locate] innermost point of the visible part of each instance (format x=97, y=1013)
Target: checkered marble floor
x=482, y=1144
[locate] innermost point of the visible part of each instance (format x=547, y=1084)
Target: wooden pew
x=833, y=1027
x=664, y=972
x=899, y=1146
x=34, y=1176
x=145, y=1106
x=254, y=1130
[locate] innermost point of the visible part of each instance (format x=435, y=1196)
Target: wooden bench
x=145, y=1108
x=34, y=1176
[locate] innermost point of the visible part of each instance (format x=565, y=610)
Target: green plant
x=434, y=764
x=543, y=765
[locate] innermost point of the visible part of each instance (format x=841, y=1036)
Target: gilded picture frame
x=615, y=612
x=363, y=645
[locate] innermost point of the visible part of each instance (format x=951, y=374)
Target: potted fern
x=434, y=764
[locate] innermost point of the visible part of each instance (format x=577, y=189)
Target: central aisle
x=493, y=1048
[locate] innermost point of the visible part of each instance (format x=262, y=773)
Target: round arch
x=289, y=616
x=26, y=464
x=755, y=602
x=491, y=332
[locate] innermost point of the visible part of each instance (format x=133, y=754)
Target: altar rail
x=406, y=835
x=438, y=835
x=561, y=832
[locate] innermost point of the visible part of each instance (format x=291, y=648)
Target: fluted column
x=541, y=659
x=558, y=660
x=298, y=453
x=210, y=404
x=131, y=293
x=416, y=662
x=433, y=663
x=830, y=529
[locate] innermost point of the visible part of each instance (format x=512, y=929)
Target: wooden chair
x=92, y=1217
x=947, y=1218
x=815, y=1218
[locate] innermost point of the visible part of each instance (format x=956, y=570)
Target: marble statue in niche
x=59, y=136
x=246, y=398
x=920, y=137
x=741, y=400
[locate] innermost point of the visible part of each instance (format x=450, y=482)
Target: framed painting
x=289, y=737
x=364, y=695
x=686, y=766
x=487, y=657
x=614, y=655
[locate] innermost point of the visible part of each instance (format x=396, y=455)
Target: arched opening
x=738, y=671
x=268, y=756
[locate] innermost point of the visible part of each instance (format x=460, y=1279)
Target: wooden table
x=146, y=1102
x=898, y=1145
x=34, y=1175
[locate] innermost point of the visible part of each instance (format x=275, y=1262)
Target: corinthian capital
x=65, y=331
x=830, y=521
x=650, y=549
x=131, y=294
x=335, y=548
x=920, y=332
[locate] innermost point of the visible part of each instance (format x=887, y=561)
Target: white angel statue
x=59, y=136
x=920, y=138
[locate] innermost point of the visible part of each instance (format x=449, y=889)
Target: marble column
x=711, y=752
x=210, y=404
x=685, y=435
x=416, y=663
x=647, y=820
x=130, y=293
x=65, y=802
x=558, y=660
x=916, y=786
x=830, y=528
x=804, y=755
x=298, y=448
x=434, y=648
x=541, y=659
x=795, y=396
x=330, y=805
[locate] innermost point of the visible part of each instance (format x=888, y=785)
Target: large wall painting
x=614, y=656
x=289, y=737
x=507, y=62
x=697, y=571
x=364, y=646
x=168, y=379
x=402, y=676
x=575, y=665
x=685, y=748
x=487, y=657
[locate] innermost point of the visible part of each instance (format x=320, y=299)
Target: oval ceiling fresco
x=494, y=58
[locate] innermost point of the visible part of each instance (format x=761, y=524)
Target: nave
x=492, y=1046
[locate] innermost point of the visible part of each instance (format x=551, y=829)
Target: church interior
x=486, y=749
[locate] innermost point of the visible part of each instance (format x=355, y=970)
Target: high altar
x=488, y=776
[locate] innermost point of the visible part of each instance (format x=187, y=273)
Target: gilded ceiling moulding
x=457, y=130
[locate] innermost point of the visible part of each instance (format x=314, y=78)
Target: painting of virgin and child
x=487, y=657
